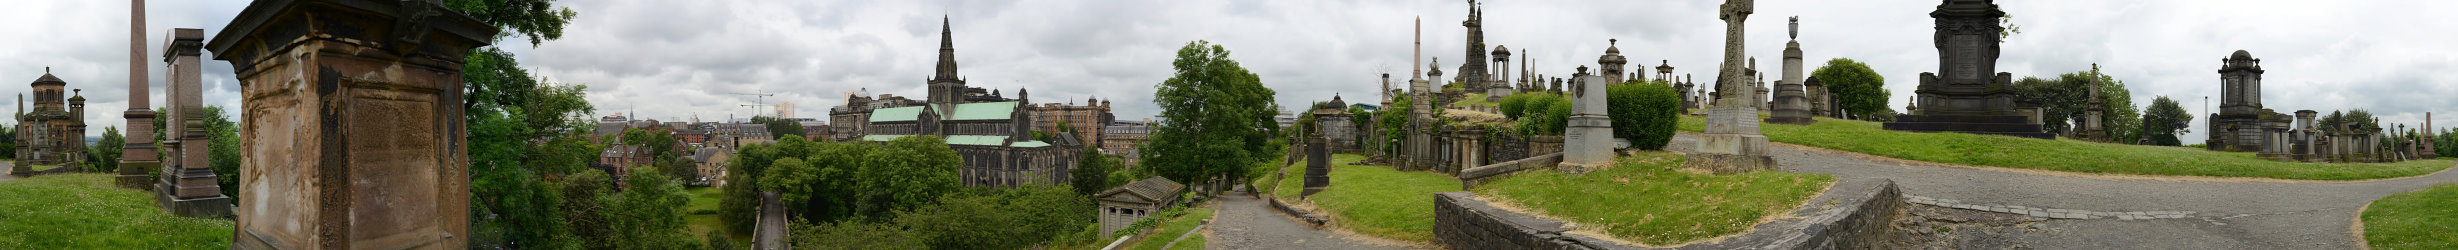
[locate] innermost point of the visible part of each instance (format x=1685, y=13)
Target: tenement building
x=54, y=132
x=992, y=133
x=1085, y=122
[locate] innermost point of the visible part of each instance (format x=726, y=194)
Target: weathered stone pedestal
x=188, y=187
x=1963, y=96
x=1318, y=167
x=354, y=135
x=1587, y=143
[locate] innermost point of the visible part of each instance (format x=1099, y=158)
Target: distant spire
x=947, y=51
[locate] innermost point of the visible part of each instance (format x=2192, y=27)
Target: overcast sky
x=673, y=60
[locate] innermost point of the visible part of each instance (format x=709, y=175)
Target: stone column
x=1792, y=98
x=354, y=135
x=189, y=187
x=1732, y=143
x=137, y=156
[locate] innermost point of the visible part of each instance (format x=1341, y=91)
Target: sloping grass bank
x=1644, y=199
x=2066, y=155
x=2423, y=219
x=84, y=211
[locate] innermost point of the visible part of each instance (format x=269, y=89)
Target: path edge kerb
x=2107, y=176
x=1852, y=214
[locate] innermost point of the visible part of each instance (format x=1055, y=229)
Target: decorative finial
x=1612, y=42
x=1796, y=27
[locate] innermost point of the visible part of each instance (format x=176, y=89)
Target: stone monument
x=354, y=135
x=2091, y=129
x=1821, y=102
x=1587, y=143
x=137, y=156
x=1732, y=143
x=189, y=187
x=1499, y=88
x=2431, y=150
x=1963, y=96
x=1318, y=166
x=1791, y=96
x=1611, y=63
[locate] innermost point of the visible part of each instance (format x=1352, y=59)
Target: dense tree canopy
x=1859, y=91
x=2064, y=99
x=1216, y=118
x=2163, y=120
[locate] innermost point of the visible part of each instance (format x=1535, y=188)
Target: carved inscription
x=1966, y=53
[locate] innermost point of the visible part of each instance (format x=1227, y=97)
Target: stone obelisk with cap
x=137, y=157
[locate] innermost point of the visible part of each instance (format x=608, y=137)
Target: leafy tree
x=103, y=156
x=8, y=140
x=1216, y=118
x=2063, y=101
x=1859, y=92
x=2164, y=120
x=539, y=20
x=584, y=197
x=779, y=127
x=1394, y=123
x=1004, y=219
x=1092, y=170
x=856, y=236
x=649, y=215
x=1643, y=112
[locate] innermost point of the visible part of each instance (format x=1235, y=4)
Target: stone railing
x=1471, y=177
x=1854, y=214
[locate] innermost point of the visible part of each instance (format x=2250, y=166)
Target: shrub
x=1545, y=114
x=1512, y=105
x=1643, y=113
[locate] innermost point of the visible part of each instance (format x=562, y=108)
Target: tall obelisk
x=1732, y=143
x=137, y=156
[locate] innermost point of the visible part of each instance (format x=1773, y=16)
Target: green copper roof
x=982, y=111
x=1031, y=144
x=896, y=114
x=882, y=137
x=982, y=140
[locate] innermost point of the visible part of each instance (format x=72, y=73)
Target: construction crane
x=759, y=99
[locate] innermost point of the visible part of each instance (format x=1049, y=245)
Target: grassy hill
x=2066, y=155
x=84, y=211
x=2422, y=219
x=1646, y=199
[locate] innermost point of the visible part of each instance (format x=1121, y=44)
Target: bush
x=1643, y=113
x=1545, y=114
x=1512, y=105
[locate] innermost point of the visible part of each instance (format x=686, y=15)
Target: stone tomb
x=1588, y=140
x=1791, y=96
x=1732, y=143
x=188, y=187
x=355, y=135
x=1963, y=96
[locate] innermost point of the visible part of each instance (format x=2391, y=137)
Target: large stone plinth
x=189, y=187
x=1732, y=146
x=354, y=135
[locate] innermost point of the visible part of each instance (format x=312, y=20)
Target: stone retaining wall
x=1302, y=215
x=1472, y=177
x=1856, y=219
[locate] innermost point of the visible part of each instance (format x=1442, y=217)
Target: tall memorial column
x=189, y=187
x=354, y=129
x=1964, y=96
x=1732, y=143
x=137, y=156
x=1792, y=97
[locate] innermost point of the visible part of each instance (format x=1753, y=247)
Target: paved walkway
x=2181, y=214
x=1242, y=222
x=4, y=171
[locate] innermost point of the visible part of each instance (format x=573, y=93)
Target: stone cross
x=1733, y=12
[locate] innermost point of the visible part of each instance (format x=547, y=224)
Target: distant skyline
x=670, y=60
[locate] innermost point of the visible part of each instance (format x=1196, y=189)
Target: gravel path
x=2219, y=214
x=1247, y=223
x=4, y=168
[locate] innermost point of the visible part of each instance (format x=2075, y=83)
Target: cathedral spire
x=947, y=52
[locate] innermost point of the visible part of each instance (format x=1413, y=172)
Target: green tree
x=583, y=197
x=2063, y=101
x=1545, y=114
x=103, y=156
x=1216, y=118
x=649, y=214
x=1092, y=171
x=1003, y=219
x=1859, y=92
x=856, y=236
x=8, y=140
x=1394, y=123
x=1643, y=112
x=221, y=148
x=2163, y=120
x=779, y=127
x=539, y=20
x=520, y=130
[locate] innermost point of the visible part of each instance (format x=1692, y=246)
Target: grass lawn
x=1473, y=100
x=1381, y=202
x=84, y=211
x=2066, y=155
x=1288, y=187
x=1171, y=229
x=1644, y=199
x=2423, y=219
x=705, y=198
x=42, y=167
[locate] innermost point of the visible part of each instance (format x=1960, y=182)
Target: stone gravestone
x=1791, y=96
x=1963, y=96
x=189, y=187
x=1318, y=166
x=1732, y=143
x=1587, y=142
x=354, y=135
x=138, y=156
x=2091, y=128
